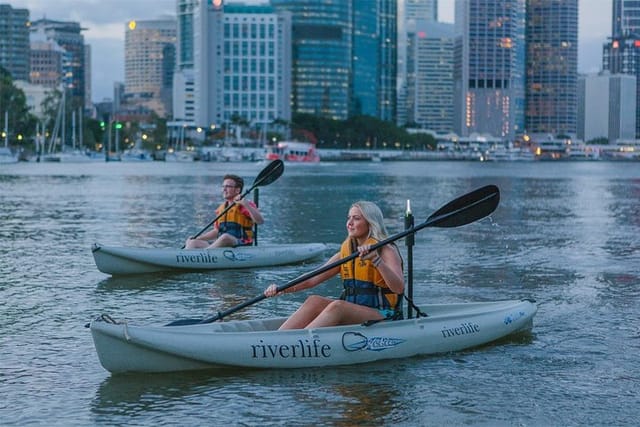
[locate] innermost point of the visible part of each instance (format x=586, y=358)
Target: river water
x=565, y=234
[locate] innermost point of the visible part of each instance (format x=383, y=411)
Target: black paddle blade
x=269, y=174
x=467, y=208
x=184, y=322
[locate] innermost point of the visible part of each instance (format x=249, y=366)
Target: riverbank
x=254, y=154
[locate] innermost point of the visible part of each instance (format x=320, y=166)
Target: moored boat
x=125, y=260
x=6, y=156
x=294, y=152
x=258, y=344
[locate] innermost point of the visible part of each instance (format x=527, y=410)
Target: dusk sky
x=105, y=26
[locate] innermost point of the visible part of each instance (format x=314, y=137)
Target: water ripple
x=567, y=236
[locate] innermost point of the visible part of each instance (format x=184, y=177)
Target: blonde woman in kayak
x=373, y=283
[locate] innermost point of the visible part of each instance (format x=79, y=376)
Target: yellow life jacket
x=236, y=221
x=363, y=284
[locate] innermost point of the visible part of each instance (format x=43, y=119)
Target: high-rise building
x=344, y=57
x=68, y=35
x=607, y=107
x=409, y=11
x=46, y=57
x=430, y=62
x=118, y=96
x=184, y=48
x=183, y=78
x=621, y=52
x=552, y=66
x=490, y=75
x=622, y=107
x=321, y=56
x=625, y=18
x=420, y=10
x=184, y=99
x=242, y=64
x=149, y=50
x=168, y=69
x=88, y=103
x=366, y=63
x=14, y=41
x=621, y=55
x=374, y=66
x=35, y=95
x=388, y=61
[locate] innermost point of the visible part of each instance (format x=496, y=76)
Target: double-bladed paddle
x=269, y=174
x=461, y=211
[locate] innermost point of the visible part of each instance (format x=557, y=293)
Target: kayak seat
x=395, y=315
x=251, y=325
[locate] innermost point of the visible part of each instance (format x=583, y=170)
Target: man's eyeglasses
x=229, y=186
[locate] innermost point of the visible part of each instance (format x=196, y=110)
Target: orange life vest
x=236, y=221
x=363, y=284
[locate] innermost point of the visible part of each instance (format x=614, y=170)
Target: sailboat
x=66, y=154
x=136, y=153
x=6, y=156
x=178, y=153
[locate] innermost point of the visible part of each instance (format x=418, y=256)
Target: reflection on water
x=336, y=396
x=135, y=394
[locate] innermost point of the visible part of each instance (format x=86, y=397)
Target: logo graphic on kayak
x=513, y=317
x=236, y=256
x=355, y=341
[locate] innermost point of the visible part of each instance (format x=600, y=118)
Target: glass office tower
x=490, y=73
x=321, y=56
x=343, y=57
x=552, y=66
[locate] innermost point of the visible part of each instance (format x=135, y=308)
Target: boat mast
x=56, y=126
x=63, y=141
x=73, y=130
x=80, y=129
x=6, y=128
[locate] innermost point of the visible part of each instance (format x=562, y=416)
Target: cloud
x=107, y=31
x=104, y=21
x=97, y=12
x=107, y=59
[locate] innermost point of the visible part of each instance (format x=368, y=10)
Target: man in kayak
x=373, y=283
x=234, y=227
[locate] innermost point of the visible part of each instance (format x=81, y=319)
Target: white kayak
x=124, y=260
x=257, y=343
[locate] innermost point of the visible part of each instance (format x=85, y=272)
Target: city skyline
x=105, y=29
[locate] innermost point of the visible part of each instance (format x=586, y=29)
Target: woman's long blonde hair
x=373, y=215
